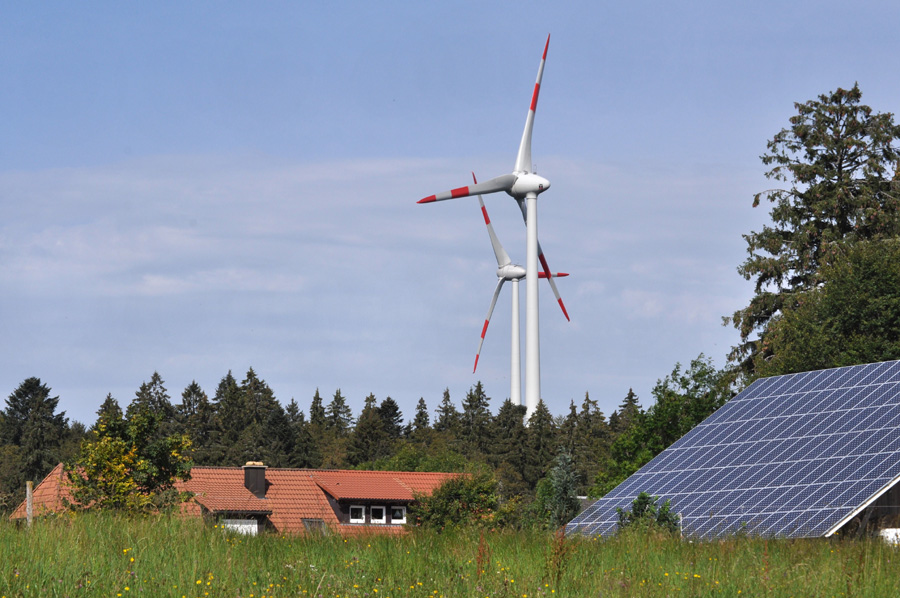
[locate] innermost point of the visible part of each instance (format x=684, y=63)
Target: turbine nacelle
x=511, y=272
x=528, y=184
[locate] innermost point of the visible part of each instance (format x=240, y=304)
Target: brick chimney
x=255, y=478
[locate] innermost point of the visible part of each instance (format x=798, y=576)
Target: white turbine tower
x=524, y=186
x=508, y=271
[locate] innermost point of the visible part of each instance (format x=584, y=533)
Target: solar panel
x=794, y=456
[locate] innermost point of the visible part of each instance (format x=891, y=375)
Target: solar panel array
x=790, y=456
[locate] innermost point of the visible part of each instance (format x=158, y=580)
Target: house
x=254, y=498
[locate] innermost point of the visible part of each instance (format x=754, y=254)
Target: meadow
x=109, y=555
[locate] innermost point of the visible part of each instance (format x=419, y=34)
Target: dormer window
x=378, y=515
x=357, y=514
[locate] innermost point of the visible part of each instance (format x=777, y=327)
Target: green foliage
x=32, y=435
x=556, y=501
x=645, y=513
x=853, y=317
x=508, y=438
x=370, y=439
x=392, y=417
x=837, y=156
x=421, y=423
x=466, y=500
x=435, y=456
x=197, y=418
x=540, y=444
x=683, y=400
x=132, y=471
x=476, y=419
x=338, y=415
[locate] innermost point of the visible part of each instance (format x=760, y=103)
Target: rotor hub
x=528, y=184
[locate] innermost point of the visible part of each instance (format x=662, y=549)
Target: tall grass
x=109, y=555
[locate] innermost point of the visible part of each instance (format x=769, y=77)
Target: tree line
x=243, y=421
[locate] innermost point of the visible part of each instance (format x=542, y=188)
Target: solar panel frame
x=791, y=455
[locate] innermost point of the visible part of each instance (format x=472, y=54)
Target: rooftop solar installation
x=793, y=456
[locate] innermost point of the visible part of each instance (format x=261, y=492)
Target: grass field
x=105, y=555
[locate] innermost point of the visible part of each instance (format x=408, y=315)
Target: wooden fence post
x=29, y=502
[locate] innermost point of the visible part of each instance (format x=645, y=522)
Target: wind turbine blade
x=488, y=321
x=546, y=273
x=500, y=183
x=503, y=258
x=523, y=160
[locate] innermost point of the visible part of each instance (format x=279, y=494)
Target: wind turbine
x=524, y=186
x=507, y=271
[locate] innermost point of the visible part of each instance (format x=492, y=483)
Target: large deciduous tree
x=839, y=160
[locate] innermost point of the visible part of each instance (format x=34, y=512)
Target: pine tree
x=265, y=434
x=476, y=419
x=370, y=440
x=199, y=422
x=317, y=412
x=557, y=497
x=628, y=412
x=390, y=414
x=421, y=422
x=448, y=419
x=110, y=418
x=541, y=444
x=507, y=439
x=338, y=415
x=837, y=156
x=591, y=447
x=154, y=396
x=230, y=410
x=30, y=422
x=305, y=452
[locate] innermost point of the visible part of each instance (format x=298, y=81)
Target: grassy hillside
x=102, y=555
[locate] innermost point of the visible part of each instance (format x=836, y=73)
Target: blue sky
x=198, y=188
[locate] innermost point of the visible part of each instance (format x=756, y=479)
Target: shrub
x=646, y=513
x=468, y=499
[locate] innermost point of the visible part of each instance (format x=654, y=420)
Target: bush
x=468, y=499
x=645, y=513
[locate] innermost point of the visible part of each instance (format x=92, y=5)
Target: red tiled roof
x=48, y=495
x=292, y=495
x=377, y=485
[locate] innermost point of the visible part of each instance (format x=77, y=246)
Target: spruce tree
x=153, y=396
x=30, y=422
x=390, y=414
x=110, y=418
x=476, y=419
x=338, y=415
x=305, y=452
x=198, y=420
x=421, y=422
x=370, y=440
x=508, y=438
x=837, y=158
x=448, y=419
x=541, y=444
x=230, y=409
x=317, y=412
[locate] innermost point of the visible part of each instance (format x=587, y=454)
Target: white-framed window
x=248, y=527
x=398, y=515
x=357, y=514
x=377, y=515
